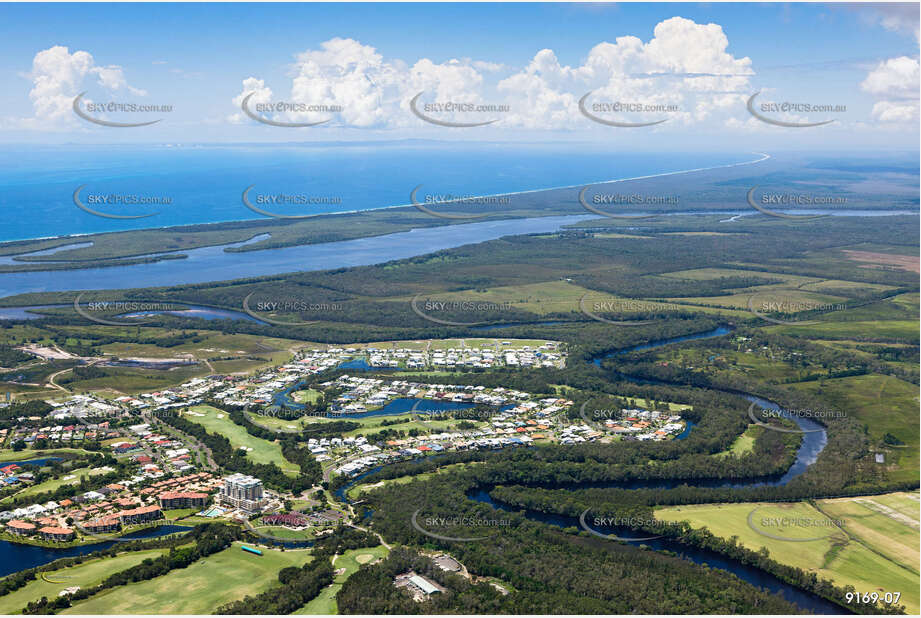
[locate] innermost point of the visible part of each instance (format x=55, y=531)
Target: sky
x=518, y=70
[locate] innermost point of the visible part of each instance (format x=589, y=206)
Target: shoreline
x=763, y=157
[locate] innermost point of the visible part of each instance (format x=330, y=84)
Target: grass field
x=900, y=330
x=872, y=551
x=357, y=490
x=744, y=444
x=372, y=424
x=307, y=396
x=351, y=560
x=70, y=477
x=200, y=588
x=263, y=451
x=886, y=405
x=26, y=455
x=284, y=533
x=84, y=575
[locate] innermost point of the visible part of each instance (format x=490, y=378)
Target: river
x=811, y=446
x=207, y=264
x=19, y=557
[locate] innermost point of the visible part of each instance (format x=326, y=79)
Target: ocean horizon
x=205, y=184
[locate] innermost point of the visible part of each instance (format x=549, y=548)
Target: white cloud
x=261, y=94
x=58, y=76
x=370, y=90
x=684, y=65
x=896, y=83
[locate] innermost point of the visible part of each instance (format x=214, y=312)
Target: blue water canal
x=18, y=557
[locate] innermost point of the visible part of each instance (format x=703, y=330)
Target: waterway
x=18, y=557
x=811, y=446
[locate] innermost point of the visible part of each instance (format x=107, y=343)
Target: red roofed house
x=183, y=499
x=140, y=515
x=17, y=526
x=53, y=533
x=105, y=524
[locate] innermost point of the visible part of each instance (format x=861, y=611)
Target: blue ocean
x=204, y=184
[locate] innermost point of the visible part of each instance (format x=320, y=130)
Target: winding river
x=812, y=444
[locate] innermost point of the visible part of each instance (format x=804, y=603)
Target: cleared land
x=872, y=550
x=886, y=405
x=200, y=588
x=71, y=477
x=257, y=449
x=84, y=575
x=325, y=602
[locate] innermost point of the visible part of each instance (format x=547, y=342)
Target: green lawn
x=357, y=490
x=745, y=443
x=886, y=405
x=284, y=533
x=66, y=478
x=863, y=554
x=263, y=451
x=200, y=588
x=84, y=575
x=325, y=602
x=307, y=396
x=27, y=454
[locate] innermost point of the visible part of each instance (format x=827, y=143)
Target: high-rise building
x=242, y=491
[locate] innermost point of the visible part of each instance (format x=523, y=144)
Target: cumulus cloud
x=896, y=83
x=684, y=66
x=261, y=94
x=58, y=76
x=367, y=89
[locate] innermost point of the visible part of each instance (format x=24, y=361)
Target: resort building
x=54, y=533
x=105, y=524
x=20, y=527
x=183, y=500
x=242, y=491
x=140, y=515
